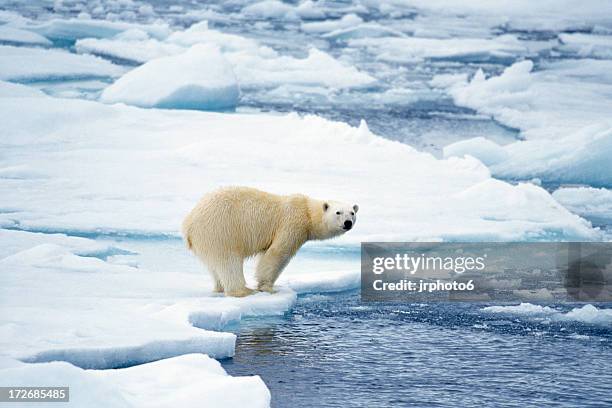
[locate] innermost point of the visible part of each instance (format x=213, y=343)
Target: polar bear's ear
x=355, y=208
x=325, y=206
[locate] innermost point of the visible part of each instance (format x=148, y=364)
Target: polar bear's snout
x=348, y=224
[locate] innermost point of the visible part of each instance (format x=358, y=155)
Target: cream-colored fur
x=234, y=223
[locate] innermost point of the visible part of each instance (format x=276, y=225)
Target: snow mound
x=35, y=64
x=592, y=203
x=588, y=314
x=196, y=380
x=200, y=79
x=14, y=35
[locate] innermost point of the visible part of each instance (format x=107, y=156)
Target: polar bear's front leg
x=273, y=261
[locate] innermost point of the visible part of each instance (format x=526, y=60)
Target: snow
x=195, y=380
x=592, y=203
x=32, y=64
x=18, y=36
x=561, y=111
x=588, y=314
x=199, y=78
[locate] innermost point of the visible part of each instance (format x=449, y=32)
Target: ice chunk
x=77, y=28
x=196, y=380
x=18, y=36
x=309, y=10
x=200, y=34
x=410, y=49
x=200, y=78
x=330, y=281
x=562, y=112
x=586, y=45
x=255, y=66
x=586, y=314
x=369, y=30
x=271, y=9
x=318, y=68
x=592, y=203
x=128, y=46
x=31, y=64
x=349, y=20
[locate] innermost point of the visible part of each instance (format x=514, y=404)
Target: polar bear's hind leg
x=231, y=276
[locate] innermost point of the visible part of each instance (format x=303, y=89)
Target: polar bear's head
x=339, y=217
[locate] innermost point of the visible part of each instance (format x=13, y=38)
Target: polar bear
x=234, y=223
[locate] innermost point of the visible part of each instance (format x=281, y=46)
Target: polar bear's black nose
x=348, y=224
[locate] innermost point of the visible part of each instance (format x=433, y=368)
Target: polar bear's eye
x=337, y=212
x=352, y=213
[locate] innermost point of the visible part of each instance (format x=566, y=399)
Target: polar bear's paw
x=242, y=292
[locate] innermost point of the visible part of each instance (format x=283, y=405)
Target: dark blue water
x=332, y=350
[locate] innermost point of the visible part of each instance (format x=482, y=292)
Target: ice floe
x=411, y=49
x=562, y=112
x=183, y=154
x=195, y=380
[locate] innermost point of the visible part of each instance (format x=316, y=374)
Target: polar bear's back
x=234, y=220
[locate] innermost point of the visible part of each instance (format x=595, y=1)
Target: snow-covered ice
x=199, y=78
